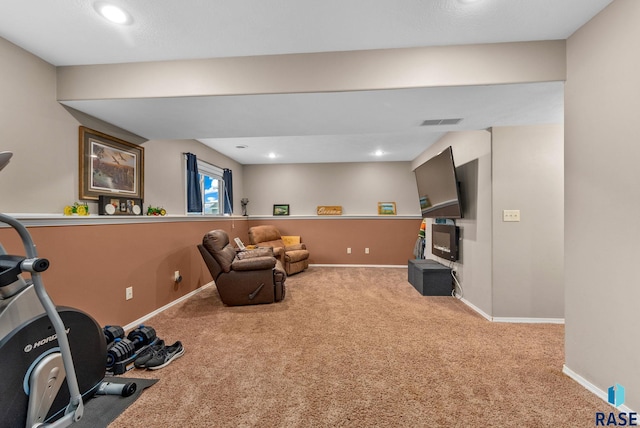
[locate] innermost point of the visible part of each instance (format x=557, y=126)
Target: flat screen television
x=438, y=190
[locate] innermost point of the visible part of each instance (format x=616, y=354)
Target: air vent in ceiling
x=436, y=122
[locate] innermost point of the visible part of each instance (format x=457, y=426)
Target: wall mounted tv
x=438, y=189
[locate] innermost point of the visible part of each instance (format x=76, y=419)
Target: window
x=211, y=189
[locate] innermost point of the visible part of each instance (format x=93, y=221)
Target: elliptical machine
x=39, y=343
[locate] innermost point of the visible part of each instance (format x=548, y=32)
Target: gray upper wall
x=42, y=176
x=43, y=173
x=528, y=256
x=510, y=270
x=357, y=187
x=602, y=177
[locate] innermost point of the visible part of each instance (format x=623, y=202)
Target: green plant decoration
x=156, y=211
x=77, y=208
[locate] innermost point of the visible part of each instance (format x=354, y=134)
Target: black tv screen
x=438, y=190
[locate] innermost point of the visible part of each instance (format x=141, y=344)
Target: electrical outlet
x=366, y=250
x=511, y=215
x=348, y=250
x=128, y=295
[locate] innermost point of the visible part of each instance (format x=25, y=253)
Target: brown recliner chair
x=295, y=258
x=244, y=278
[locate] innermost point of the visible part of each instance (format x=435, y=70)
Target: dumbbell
x=122, y=349
x=112, y=332
x=142, y=336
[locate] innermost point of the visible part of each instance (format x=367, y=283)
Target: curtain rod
x=212, y=164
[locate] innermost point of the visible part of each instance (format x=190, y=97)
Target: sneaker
x=147, y=353
x=164, y=356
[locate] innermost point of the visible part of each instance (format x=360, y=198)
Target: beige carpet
x=357, y=347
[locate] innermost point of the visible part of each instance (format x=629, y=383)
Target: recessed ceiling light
x=379, y=153
x=113, y=13
x=468, y=1
x=272, y=155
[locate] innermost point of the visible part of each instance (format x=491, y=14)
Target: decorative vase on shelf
x=244, y=202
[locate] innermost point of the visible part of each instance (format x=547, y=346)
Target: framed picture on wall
x=109, y=166
x=386, y=208
x=281, y=209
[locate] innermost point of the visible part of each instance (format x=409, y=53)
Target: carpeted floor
x=357, y=347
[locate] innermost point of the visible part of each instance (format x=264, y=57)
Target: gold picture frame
x=386, y=208
x=109, y=166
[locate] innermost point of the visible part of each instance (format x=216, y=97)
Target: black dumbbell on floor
x=142, y=336
x=112, y=332
x=122, y=353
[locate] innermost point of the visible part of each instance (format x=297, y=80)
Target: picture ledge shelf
x=46, y=219
x=37, y=219
x=335, y=217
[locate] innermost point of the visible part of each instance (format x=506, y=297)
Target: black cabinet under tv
x=430, y=278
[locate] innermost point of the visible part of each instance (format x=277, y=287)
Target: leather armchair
x=242, y=278
x=295, y=258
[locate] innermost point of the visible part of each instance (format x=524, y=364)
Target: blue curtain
x=227, y=176
x=194, y=196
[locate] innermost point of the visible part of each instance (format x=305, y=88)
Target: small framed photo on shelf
x=281, y=209
x=112, y=205
x=386, y=208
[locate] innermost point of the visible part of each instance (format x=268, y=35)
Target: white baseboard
x=359, y=266
x=592, y=388
x=529, y=320
x=513, y=319
x=477, y=309
x=139, y=321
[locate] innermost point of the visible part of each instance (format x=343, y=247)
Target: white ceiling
x=319, y=127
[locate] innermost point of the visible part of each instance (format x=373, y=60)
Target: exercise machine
x=51, y=358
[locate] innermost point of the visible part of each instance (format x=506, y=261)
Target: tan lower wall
x=390, y=241
x=92, y=265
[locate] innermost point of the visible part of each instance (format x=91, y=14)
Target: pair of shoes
x=147, y=353
x=164, y=356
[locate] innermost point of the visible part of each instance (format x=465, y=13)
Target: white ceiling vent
x=436, y=122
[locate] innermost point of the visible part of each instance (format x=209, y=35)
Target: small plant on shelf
x=77, y=208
